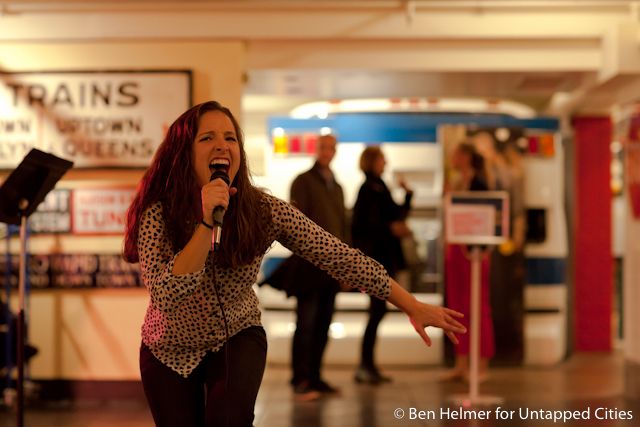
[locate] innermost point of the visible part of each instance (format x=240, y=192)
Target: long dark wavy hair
x=171, y=180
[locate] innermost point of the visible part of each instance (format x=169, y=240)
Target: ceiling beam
x=266, y=20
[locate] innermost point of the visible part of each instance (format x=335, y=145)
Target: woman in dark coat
x=378, y=225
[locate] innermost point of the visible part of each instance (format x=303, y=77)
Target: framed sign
x=53, y=215
x=477, y=217
x=81, y=211
x=100, y=210
x=71, y=271
x=93, y=118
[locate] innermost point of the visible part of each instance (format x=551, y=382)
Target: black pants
x=314, y=312
x=507, y=278
x=220, y=392
x=377, y=310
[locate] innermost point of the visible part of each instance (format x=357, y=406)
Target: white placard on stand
x=479, y=218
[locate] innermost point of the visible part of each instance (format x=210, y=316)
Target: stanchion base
x=466, y=401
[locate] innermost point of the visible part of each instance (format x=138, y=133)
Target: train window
x=536, y=225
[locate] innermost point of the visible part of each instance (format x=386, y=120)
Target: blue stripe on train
x=375, y=128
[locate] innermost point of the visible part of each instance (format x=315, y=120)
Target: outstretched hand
x=423, y=315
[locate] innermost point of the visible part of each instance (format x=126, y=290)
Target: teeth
x=220, y=162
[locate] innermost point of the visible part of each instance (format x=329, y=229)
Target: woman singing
x=203, y=347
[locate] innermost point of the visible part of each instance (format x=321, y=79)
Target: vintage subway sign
x=95, y=119
x=71, y=271
x=100, y=211
x=53, y=214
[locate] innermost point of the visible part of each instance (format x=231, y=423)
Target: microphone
x=218, y=171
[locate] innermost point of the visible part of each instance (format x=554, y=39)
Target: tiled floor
x=584, y=383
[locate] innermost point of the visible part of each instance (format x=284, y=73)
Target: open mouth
x=220, y=164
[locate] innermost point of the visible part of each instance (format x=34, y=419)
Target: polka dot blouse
x=191, y=314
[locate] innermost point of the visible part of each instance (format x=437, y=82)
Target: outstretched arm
x=422, y=315
x=345, y=264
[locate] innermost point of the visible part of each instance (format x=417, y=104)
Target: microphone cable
x=219, y=172
x=226, y=344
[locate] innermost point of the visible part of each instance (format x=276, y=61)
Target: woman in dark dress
x=471, y=174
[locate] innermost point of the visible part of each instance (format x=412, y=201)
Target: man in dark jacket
x=317, y=194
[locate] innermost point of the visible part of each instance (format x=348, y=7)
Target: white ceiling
x=533, y=89
x=558, y=56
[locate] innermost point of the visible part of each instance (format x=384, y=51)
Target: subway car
x=412, y=134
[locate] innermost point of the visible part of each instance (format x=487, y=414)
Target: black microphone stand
x=23, y=204
x=21, y=193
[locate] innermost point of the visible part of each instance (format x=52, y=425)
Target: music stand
x=20, y=194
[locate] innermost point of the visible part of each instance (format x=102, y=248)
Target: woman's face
x=216, y=142
x=379, y=164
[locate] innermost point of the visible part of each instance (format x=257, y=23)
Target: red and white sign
x=477, y=217
x=471, y=220
x=100, y=211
